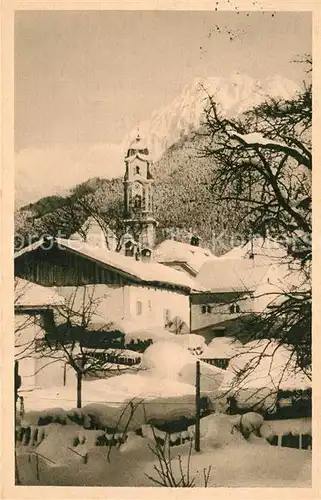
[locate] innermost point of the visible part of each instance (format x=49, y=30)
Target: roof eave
x=126, y=274
x=36, y=306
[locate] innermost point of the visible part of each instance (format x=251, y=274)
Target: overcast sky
x=90, y=77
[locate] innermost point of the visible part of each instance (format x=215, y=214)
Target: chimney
x=195, y=241
x=146, y=255
x=129, y=249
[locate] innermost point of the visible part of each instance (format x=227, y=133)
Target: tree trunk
x=79, y=387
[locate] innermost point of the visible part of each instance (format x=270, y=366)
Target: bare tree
x=68, y=340
x=171, y=473
x=263, y=162
x=62, y=335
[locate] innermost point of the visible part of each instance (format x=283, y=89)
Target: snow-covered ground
x=162, y=375
x=109, y=391
x=166, y=387
x=168, y=369
x=234, y=461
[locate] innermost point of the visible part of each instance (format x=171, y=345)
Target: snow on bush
x=133, y=443
x=194, y=343
x=258, y=371
x=58, y=443
x=156, y=334
x=135, y=413
x=121, y=417
x=165, y=359
x=171, y=361
x=216, y=430
x=219, y=430
x=211, y=376
x=248, y=423
x=43, y=417
x=222, y=347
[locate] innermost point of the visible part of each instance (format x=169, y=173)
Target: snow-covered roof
x=176, y=251
x=29, y=294
x=141, y=157
x=238, y=275
x=269, y=271
x=282, y=280
x=260, y=248
x=137, y=147
x=138, y=143
x=150, y=273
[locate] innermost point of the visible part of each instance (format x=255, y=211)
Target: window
x=204, y=309
x=235, y=308
x=209, y=309
x=137, y=170
x=139, y=308
x=219, y=331
x=137, y=201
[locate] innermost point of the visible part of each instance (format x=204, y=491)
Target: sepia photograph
x=163, y=248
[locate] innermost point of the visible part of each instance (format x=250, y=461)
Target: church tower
x=138, y=195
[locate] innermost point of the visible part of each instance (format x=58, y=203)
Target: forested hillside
x=184, y=202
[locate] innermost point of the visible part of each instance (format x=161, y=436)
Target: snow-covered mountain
x=234, y=95
x=53, y=171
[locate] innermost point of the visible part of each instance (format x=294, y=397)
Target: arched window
x=237, y=308
x=137, y=169
x=232, y=309
x=209, y=309
x=137, y=201
x=204, y=309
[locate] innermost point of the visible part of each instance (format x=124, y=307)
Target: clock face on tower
x=137, y=188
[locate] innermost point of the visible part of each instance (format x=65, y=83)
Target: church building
x=138, y=199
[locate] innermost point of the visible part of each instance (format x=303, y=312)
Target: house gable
x=66, y=263
x=63, y=267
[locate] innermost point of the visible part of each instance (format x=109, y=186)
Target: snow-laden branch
x=257, y=140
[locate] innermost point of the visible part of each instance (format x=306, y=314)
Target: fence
x=289, y=440
x=218, y=362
